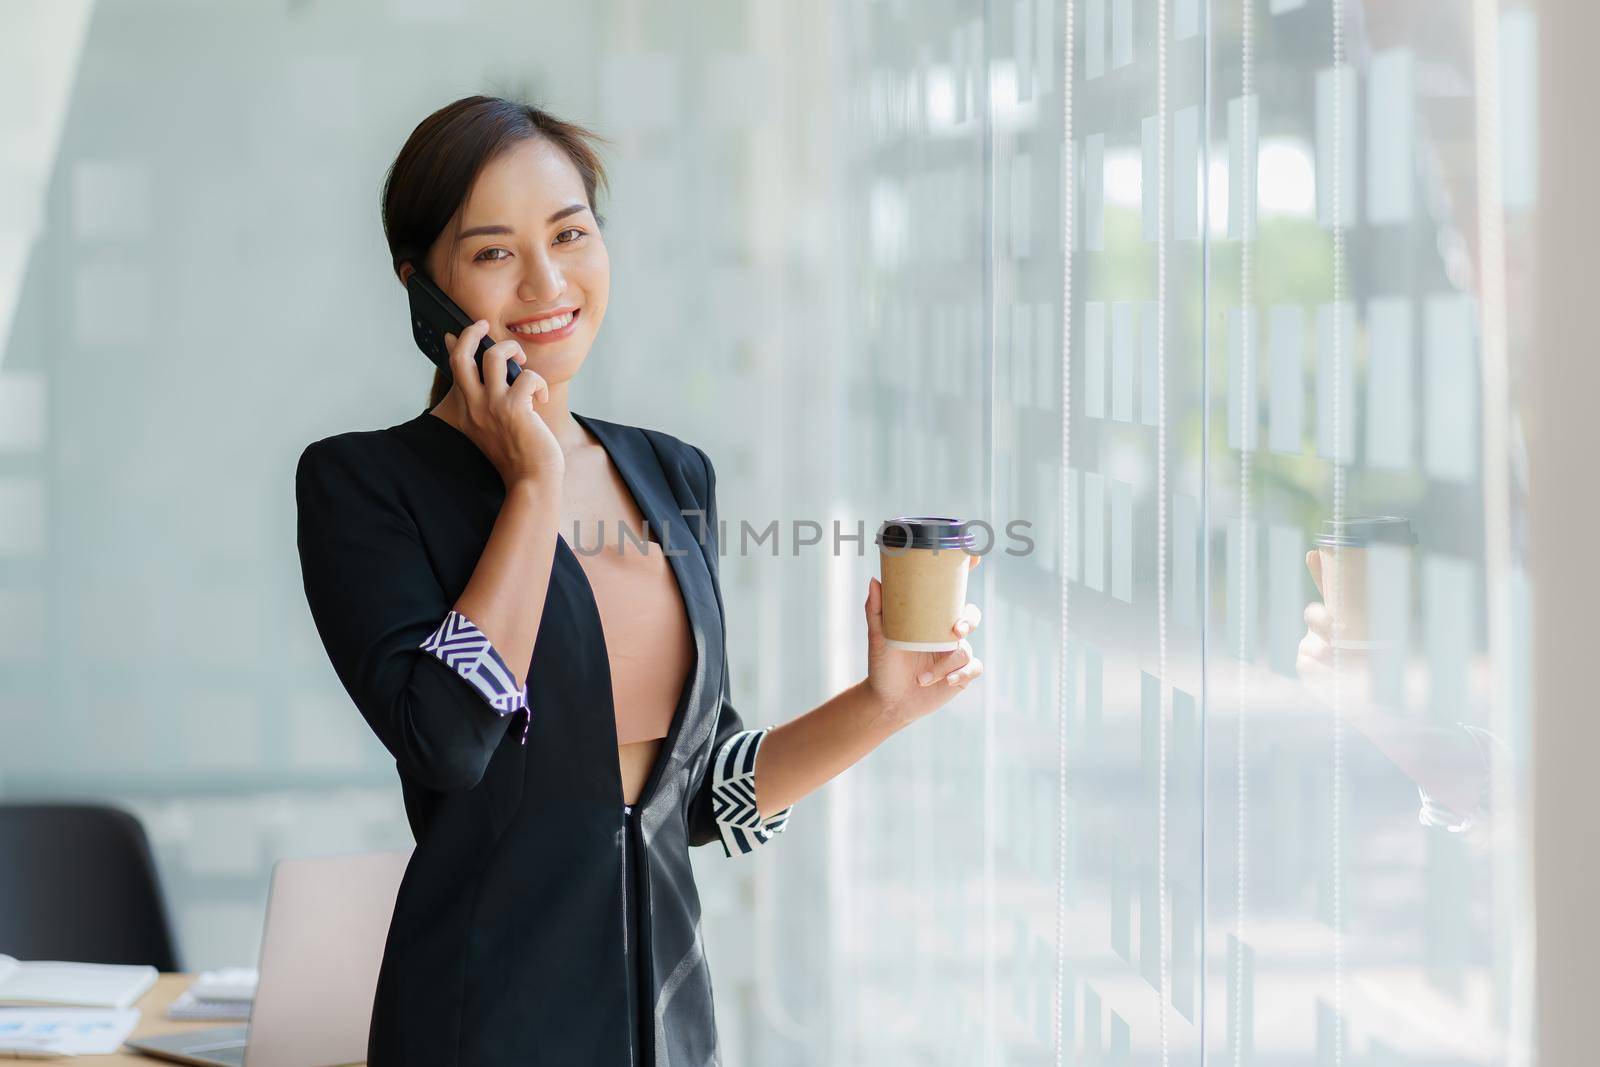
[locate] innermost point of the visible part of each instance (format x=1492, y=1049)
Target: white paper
x=71, y=1031
x=51, y=983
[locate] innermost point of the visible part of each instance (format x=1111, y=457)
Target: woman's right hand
x=500, y=418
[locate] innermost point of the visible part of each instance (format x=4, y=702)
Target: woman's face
x=524, y=248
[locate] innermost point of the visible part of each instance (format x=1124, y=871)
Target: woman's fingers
x=965, y=675
x=874, y=609
x=1319, y=620
x=1314, y=565
x=1308, y=661
x=494, y=366
x=1315, y=649
x=535, y=383
x=524, y=391
x=946, y=664
x=462, y=366
x=970, y=617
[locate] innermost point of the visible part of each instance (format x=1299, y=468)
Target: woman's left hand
x=912, y=684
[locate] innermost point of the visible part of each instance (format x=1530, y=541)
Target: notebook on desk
x=327, y=922
x=61, y=984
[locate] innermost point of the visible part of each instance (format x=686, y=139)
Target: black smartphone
x=433, y=315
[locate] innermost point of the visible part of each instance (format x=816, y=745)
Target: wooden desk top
x=152, y=1020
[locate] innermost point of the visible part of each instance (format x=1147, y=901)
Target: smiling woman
x=445, y=178
x=549, y=912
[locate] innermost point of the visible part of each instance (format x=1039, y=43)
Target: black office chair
x=78, y=882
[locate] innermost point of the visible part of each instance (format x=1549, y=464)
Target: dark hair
x=437, y=165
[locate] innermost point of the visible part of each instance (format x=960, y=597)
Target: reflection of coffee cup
x=1345, y=549
x=924, y=561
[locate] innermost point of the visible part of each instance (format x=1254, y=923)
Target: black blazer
x=537, y=923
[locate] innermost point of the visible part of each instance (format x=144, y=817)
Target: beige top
x=647, y=634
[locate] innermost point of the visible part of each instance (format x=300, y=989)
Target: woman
x=549, y=914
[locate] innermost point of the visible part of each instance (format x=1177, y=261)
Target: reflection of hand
x=1446, y=765
x=894, y=675
x=1314, y=660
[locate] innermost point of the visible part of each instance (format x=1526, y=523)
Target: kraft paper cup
x=923, y=563
x=1344, y=548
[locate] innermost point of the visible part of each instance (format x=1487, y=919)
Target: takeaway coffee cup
x=1346, y=548
x=923, y=561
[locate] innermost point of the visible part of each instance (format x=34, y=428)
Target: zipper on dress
x=630, y=947
x=642, y=1024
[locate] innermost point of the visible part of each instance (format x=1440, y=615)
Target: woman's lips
x=550, y=336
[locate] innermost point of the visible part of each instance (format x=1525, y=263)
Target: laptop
x=327, y=922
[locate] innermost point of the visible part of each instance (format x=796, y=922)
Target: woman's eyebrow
x=478, y=231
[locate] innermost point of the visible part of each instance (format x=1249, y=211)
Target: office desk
x=152, y=1020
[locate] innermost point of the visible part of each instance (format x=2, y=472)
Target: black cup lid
x=1364, y=530
x=924, y=531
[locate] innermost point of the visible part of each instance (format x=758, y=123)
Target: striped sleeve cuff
x=465, y=649
x=733, y=796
